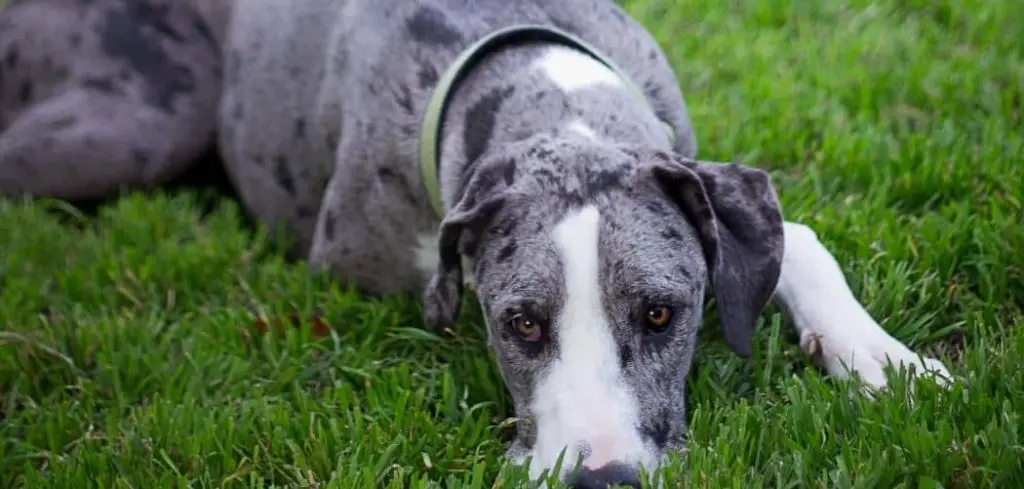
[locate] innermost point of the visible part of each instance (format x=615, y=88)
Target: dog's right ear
x=481, y=197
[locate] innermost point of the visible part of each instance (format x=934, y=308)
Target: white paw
x=865, y=351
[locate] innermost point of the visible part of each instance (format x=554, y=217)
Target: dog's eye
x=658, y=318
x=526, y=327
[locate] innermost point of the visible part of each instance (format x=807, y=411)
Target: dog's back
x=332, y=92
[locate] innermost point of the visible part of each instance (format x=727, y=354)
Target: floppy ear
x=459, y=234
x=737, y=215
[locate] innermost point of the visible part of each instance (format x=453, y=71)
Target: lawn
x=131, y=352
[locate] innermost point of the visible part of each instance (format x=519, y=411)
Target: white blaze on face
x=582, y=397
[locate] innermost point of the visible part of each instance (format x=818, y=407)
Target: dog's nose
x=607, y=476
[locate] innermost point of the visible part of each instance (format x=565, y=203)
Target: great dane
x=539, y=152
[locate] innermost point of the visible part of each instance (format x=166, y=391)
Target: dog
x=540, y=153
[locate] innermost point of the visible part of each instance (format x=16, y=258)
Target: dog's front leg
x=835, y=329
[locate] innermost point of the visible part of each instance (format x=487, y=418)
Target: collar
x=430, y=128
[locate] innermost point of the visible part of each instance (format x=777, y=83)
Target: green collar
x=430, y=129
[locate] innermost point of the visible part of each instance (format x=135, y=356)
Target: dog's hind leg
x=84, y=144
x=103, y=95
x=835, y=329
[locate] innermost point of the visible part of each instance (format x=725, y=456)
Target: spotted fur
x=565, y=200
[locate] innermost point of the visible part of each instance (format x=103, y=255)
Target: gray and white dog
x=566, y=190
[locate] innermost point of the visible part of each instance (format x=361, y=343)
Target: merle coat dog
x=553, y=168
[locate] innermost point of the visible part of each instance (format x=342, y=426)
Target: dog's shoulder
x=610, y=28
x=422, y=37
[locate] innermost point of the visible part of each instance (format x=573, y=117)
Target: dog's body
x=565, y=197
x=335, y=154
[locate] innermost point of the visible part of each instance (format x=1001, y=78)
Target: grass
x=130, y=355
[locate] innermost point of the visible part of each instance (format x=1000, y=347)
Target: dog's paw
x=865, y=352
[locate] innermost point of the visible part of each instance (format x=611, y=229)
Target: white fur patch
x=427, y=257
x=573, y=70
x=834, y=327
x=582, y=397
x=581, y=128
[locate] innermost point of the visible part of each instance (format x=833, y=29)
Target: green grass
x=128, y=357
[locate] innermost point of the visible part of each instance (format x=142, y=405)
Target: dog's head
x=590, y=264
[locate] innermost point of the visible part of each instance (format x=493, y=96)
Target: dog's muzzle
x=608, y=475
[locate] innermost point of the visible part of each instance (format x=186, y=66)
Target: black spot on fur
x=75, y=40
x=283, y=175
x=300, y=128
x=404, y=99
x=141, y=159
x=104, y=85
x=543, y=154
x=217, y=70
x=202, y=29
x=329, y=226
x=479, y=122
x=25, y=92
x=657, y=430
x=506, y=226
x=430, y=26
x=63, y=123
x=545, y=176
x=656, y=207
x=710, y=186
x=620, y=15
x=672, y=234
x=304, y=212
x=127, y=34
x=510, y=172
x=571, y=198
x=602, y=180
x=60, y=74
x=392, y=179
x=507, y=251
x=427, y=76
x=26, y=166
x=11, y=60
x=653, y=92
x=625, y=356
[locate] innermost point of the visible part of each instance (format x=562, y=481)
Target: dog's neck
x=538, y=90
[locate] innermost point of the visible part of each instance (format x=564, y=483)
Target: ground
x=130, y=346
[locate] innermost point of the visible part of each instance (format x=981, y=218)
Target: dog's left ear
x=482, y=196
x=737, y=215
